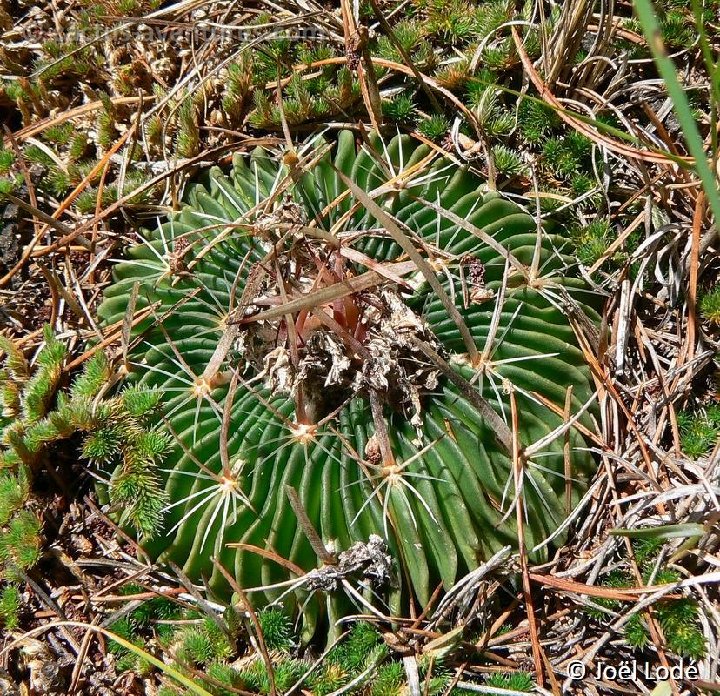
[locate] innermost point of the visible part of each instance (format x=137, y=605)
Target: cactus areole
x=339, y=406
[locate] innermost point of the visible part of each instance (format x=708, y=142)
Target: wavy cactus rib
x=447, y=501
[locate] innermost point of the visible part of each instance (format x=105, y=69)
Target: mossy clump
x=276, y=628
x=592, y=241
x=434, y=127
x=710, y=305
x=9, y=607
x=678, y=618
x=513, y=681
x=40, y=410
x=699, y=430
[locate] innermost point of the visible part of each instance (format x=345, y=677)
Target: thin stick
x=308, y=528
x=247, y=607
x=520, y=516
x=567, y=462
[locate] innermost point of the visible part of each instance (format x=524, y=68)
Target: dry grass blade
x=624, y=594
x=193, y=687
x=579, y=125
x=257, y=628
x=518, y=477
x=358, y=58
x=44, y=124
x=308, y=529
x=336, y=291
x=408, y=247
x=567, y=37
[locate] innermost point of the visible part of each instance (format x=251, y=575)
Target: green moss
x=57, y=181
x=681, y=627
x=434, y=677
x=272, y=58
x=500, y=124
x=536, y=120
x=14, y=91
x=188, y=133
x=513, y=681
x=677, y=618
x=400, y=108
x=101, y=446
x=287, y=673
x=488, y=108
x=616, y=578
x=636, y=632
x=237, y=90
x=481, y=89
x=106, y=131
x=699, y=431
x=409, y=34
x=86, y=202
x=127, y=660
x=498, y=56
x=434, y=127
x=7, y=157
x=507, y=162
x=276, y=629
x=313, y=52
x=710, y=305
x=353, y=653
x=489, y=16
x=678, y=29
x=224, y=674
x=328, y=679
x=646, y=550
x=60, y=134
x=452, y=21
x=203, y=644
x=9, y=607
x=36, y=155
x=195, y=648
x=14, y=491
x=20, y=547
x=579, y=145
x=42, y=414
x=7, y=186
x=390, y=680
x=559, y=158
x=580, y=184
x=592, y=241
x=123, y=628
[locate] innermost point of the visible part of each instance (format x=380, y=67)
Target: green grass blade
x=663, y=532
x=166, y=669
x=666, y=68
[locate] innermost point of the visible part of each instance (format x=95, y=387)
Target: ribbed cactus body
x=450, y=502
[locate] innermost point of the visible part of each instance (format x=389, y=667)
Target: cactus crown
x=323, y=392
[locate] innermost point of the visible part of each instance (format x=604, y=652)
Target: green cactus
x=438, y=486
